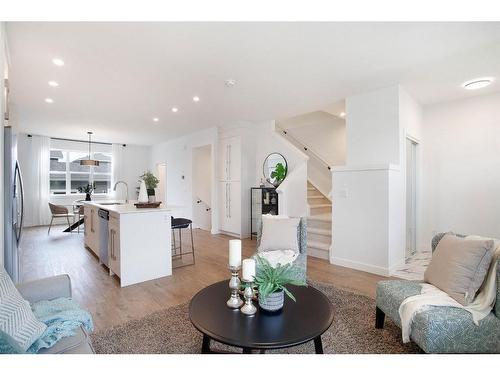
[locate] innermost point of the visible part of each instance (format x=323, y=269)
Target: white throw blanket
x=429, y=296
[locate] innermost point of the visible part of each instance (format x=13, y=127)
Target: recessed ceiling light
x=53, y=84
x=58, y=61
x=230, y=82
x=156, y=119
x=342, y=114
x=49, y=100
x=196, y=99
x=174, y=109
x=477, y=83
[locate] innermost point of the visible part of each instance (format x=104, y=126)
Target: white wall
x=135, y=161
x=461, y=167
x=202, y=186
x=177, y=156
x=3, y=71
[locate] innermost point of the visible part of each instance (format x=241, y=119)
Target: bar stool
x=177, y=253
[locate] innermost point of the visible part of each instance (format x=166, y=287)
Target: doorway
x=411, y=197
x=161, y=172
x=202, y=187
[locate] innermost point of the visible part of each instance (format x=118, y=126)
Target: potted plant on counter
x=88, y=189
x=151, y=183
x=271, y=283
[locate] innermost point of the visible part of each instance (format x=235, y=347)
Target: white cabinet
x=230, y=207
x=230, y=159
x=91, y=228
x=114, y=244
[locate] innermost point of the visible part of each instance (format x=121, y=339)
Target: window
x=67, y=175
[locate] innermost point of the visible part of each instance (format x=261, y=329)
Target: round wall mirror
x=275, y=168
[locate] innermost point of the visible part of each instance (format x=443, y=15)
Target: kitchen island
x=134, y=243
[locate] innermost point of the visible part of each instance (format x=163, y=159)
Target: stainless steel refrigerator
x=13, y=206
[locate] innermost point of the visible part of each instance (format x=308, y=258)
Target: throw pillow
x=279, y=234
x=16, y=318
x=459, y=266
x=279, y=257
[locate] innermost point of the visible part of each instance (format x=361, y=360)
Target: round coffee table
x=297, y=323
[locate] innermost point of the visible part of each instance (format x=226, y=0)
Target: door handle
x=229, y=194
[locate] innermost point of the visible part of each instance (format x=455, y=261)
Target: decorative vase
x=87, y=197
x=273, y=302
x=143, y=194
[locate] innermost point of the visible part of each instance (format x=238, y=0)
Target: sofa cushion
x=16, y=318
x=459, y=266
x=391, y=293
x=79, y=343
x=442, y=329
x=279, y=234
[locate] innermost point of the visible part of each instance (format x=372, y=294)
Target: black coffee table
x=297, y=323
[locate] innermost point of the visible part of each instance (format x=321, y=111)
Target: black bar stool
x=177, y=253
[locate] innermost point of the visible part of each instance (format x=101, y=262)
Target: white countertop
x=121, y=207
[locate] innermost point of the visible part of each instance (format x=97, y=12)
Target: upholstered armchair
x=440, y=329
x=301, y=260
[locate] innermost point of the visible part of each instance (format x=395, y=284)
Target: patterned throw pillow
x=17, y=321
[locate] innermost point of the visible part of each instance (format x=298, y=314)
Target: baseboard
x=360, y=266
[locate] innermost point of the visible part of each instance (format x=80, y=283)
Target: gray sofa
x=48, y=289
x=440, y=329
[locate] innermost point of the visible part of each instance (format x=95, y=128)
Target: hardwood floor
x=47, y=255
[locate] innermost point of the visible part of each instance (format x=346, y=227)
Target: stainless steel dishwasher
x=103, y=236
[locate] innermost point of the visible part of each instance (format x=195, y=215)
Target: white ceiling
x=118, y=76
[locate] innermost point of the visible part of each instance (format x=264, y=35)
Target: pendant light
x=90, y=162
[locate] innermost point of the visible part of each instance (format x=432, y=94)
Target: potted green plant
x=271, y=283
x=151, y=183
x=279, y=174
x=87, y=189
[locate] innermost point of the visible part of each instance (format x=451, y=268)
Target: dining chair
x=59, y=211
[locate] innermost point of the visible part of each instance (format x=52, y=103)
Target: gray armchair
x=48, y=289
x=301, y=260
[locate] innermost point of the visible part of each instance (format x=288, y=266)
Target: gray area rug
x=170, y=331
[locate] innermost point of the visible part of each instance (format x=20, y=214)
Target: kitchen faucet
x=122, y=182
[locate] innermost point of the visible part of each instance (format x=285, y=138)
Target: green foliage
x=150, y=180
x=279, y=173
x=88, y=189
x=271, y=279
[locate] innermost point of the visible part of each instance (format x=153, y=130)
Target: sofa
x=48, y=289
x=440, y=329
x=301, y=260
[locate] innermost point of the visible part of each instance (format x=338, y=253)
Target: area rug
x=170, y=331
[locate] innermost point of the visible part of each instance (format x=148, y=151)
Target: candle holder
x=248, y=308
x=234, y=302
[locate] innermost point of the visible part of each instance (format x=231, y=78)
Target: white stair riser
x=317, y=253
x=326, y=239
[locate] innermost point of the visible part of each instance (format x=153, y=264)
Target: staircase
x=319, y=223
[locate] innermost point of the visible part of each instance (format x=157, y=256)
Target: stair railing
x=199, y=201
x=287, y=134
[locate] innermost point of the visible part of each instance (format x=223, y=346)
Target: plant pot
x=273, y=302
x=151, y=195
x=87, y=197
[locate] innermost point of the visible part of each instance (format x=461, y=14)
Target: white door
x=234, y=207
x=411, y=197
x=234, y=159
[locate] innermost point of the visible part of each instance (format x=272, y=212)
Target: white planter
x=273, y=302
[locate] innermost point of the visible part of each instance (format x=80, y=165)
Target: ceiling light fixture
x=342, y=114
x=477, y=83
x=156, y=119
x=49, y=100
x=196, y=99
x=58, y=61
x=230, y=82
x=53, y=84
x=90, y=162
x=174, y=109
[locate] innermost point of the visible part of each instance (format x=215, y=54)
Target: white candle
x=248, y=269
x=235, y=253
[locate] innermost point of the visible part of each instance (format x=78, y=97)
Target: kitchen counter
x=133, y=243
x=120, y=207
